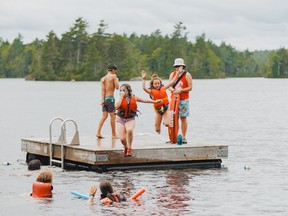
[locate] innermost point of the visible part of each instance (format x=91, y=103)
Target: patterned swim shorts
x=109, y=104
x=184, y=108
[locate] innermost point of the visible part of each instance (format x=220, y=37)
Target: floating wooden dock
x=149, y=152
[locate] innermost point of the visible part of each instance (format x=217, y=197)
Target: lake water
x=248, y=114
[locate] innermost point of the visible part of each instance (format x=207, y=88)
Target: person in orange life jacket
x=183, y=87
x=126, y=106
x=108, y=84
x=158, y=91
x=107, y=196
x=42, y=187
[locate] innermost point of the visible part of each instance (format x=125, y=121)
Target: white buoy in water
x=6, y=163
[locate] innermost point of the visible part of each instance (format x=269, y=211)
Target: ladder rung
x=56, y=161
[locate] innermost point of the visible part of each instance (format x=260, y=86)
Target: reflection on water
x=249, y=115
x=176, y=193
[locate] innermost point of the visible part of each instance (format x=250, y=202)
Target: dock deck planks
x=148, y=151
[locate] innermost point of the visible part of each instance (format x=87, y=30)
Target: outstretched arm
x=143, y=74
x=172, y=80
x=179, y=71
x=170, y=87
x=147, y=100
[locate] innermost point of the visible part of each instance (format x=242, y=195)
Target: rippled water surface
x=249, y=115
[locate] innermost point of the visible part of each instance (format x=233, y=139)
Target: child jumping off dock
x=158, y=91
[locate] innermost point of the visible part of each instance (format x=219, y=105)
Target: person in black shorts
x=108, y=85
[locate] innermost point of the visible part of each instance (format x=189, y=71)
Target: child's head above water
x=105, y=188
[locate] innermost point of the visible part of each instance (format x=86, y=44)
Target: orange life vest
x=115, y=197
x=183, y=84
x=127, y=109
x=160, y=94
x=40, y=189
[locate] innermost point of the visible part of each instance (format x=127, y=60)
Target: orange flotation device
x=114, y=197
x=174, y=110
x=160, y=94
x=128, y=109
x=41, y=190
x=138, y=193
x=183, y=83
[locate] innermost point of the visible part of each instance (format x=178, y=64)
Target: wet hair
x=45, y=177
x=34, y=164
x=153, y=78
x=106, y=189
x=128, y=88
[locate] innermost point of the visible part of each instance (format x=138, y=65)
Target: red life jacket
x=160, y=94
x=183, y=84
x=40, y=189
x=128, y=109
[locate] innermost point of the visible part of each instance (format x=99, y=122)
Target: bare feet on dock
x=99, y=136
x=115, y=136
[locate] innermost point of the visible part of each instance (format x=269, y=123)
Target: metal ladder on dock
x=62, y=139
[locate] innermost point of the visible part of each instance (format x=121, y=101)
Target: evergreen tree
x=51, y=57
x=79, y=56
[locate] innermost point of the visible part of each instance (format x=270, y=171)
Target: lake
x=248, y=114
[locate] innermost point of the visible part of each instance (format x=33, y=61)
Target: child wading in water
x=158, y=91
x=42, y=187
x=126, y=106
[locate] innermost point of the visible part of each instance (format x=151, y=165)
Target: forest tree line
x=77, y=55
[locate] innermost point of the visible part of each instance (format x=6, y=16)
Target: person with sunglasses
x=182, y=87
x=126, y=106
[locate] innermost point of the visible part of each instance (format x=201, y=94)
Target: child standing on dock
x=183, y=87
x=126, y=106
x=108, y=85
x=158, y=91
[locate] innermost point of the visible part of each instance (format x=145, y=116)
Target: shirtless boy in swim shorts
x=108, y=84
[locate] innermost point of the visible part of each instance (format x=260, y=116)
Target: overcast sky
x=244, y=24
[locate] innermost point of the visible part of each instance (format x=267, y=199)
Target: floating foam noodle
x=138, y=193
x=80, y=195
